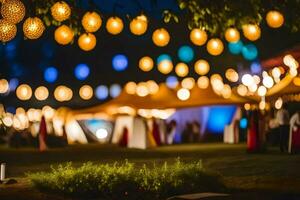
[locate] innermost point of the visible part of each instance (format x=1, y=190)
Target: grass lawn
x=271, y=175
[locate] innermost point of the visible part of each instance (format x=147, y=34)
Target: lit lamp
x=262, y=91
x=188, y=83
x=274, y=19
x=8, y=30
x=61, y=11
x=226, y=91
x=198, y=36
x=63, y=93
x=33, y=28
x=203, y=82
x=181, y=69
x=130, y=88
x=4, y=86
x=63, y=35
x=41, y=93
x=232, y=35
x=152, y=87
x=201, y=67
x=146, y=64
x=142, y=89
x=165, y=66
x=183, y=94
x=86, y=92
x=231, y=75
x=251, y=31
x=139, y=25
x=13, y=11
x=242, y=90
x=91, y=22
x=24, y=92
x=87, y=41
x=161, y=37
x=215, y=46
x=114, y=25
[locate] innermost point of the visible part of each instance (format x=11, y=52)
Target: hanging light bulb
x=130, y=88
x=91, y=22
x=86, y=92
x=114, y=25
x=8, y=31
x=181, y=69
x=41, y=93
x=61, y=11
x=146, y=63
x=203, y=82
x=63, y=35
x=198, y=36
x=139, y=25
x=262, y=91
x=161, y=37
x=232, y=75
x=183, y=94
x=4, y=86
x=165, y=66
x=33, y=28
x=232, y=35
x=24, y=92
x=87, y=41
x=274, y=19
x=13, y=11
x=201, y=67
x=215, y=46
x=251, y=31
x=188, y=83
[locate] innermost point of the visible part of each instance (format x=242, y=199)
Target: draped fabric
x=156, y=133
x=124, y=139
x=252, y=135
x=43, y=135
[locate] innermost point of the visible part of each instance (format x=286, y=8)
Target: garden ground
x=270, y=175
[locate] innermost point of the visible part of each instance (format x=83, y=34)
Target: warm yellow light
x=48, y=112
x=165, y=66
x=251, y=31
x=198, y=37
x=242, y=90
x=296, y=81
x=232, y=35
x=139, y=25
x=274, y=19
x=203, y=82
x=142, y=89
x=268, y=82
x=232, y=75
x=8, y=120
x=215, y=46
x=181, y=69
x=4, y=86
x=91, y=22
x=247, y=106
x=217, y=85
x=201, y=67
x=262, y=105
x=24, y=92
x=8, y=31
x=161, y=37
x=130, y=88
x=188, y=83
x=63, y=93
x=256, y=79
x=63, y=35
x=87, y=41
x=262, y=91
x=20, y=110
x=183, y=94
x=276, y=73
x=252, y=88
x=13, y=11
x=152, y=87
x=146, y=63
x=86, y=92
x=61, y=11
x=247, y=80
x=216, y=77
x=33, y=28
x=226, y=91
x=41, y=93
x=114, y=25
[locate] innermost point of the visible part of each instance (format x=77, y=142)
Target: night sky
x=27, y=59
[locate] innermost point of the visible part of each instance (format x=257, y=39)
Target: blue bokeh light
x=255, y=67
x=185, y=53
x=236, y=47
x=101, y=92
x=120, y=62
x=50, y=74
x=13, y=84
x=115, y=90
x=82, y=71
x=243, y=123
x=11, y=50
x=171, y=81
x=219, y=117
x=250, y=52
x=163, y=57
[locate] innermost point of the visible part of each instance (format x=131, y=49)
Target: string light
x=215, y=46
x=274, y=19
x=201, y=67
x=91, y=22
x=139, y=25
x=63, y=35
x=232, y=35
x=114, y=25
x=8, y=31
x=198, y=37
x=87, y=41
x=161, y=37
x=41, y=93
x=61, y=11
x=24, y=92
x=33, y=28
x=13, y=11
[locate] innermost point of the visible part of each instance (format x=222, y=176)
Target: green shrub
x=126, y=181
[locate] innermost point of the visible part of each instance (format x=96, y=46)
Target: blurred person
x=294, y=134
x=283, y=119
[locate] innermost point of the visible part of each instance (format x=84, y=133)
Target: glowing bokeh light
x=185, y=53
x=50, y=74
x=82, y=71
x=120, y=62
x=235, y=47
x=250, y=52
x=101, y=92
x=172, y=82
x=115, y=90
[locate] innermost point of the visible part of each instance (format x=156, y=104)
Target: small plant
x=126, y=181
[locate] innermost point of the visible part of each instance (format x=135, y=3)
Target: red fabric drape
x=156, y=133
x=124, y=139
x=43, y=135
